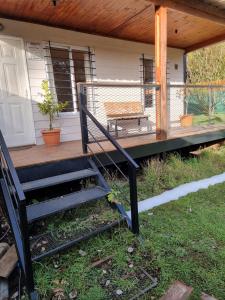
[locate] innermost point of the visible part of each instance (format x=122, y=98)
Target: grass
x=182, y=240
x=71, y=224
x=159, y=175
x=217, y=118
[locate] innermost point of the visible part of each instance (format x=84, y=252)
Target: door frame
x=27, y=85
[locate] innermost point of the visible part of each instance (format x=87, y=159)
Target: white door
x=16, y=121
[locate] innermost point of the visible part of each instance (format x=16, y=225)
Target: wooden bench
x=124, y=110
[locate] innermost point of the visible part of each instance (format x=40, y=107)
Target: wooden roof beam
x=194, y=8
x=206, y=43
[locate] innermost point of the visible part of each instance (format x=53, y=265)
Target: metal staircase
x=22, y=212
x=59, y=204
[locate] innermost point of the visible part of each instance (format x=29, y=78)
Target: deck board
x=35, y=155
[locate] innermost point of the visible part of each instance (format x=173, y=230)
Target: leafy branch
x=50, y=107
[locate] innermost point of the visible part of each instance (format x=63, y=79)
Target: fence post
x=83, y=118
x=133, y=199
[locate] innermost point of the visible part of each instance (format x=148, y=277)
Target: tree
x=207, y=67
x=50, y=107
x=206, y=64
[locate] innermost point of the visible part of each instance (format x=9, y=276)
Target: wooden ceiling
x=201, y=23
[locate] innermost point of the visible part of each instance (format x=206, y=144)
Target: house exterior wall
x=115, y=60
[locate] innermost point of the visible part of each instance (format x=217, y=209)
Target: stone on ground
x=3, y=248
x=178, y=291
x=207, y=297
x=8, y=262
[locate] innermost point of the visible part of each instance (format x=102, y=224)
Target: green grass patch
x=158, y=175
x=182, y=240
x=217, y=118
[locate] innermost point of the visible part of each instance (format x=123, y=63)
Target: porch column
x=161, y=68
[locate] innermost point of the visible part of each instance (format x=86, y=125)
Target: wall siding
x=115, y=60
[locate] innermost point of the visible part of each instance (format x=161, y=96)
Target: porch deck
x=138, y=147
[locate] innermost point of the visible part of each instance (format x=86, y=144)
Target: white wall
x=115, y=60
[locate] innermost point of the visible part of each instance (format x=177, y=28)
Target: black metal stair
x=46, y=208
x=54, y=245
x=59, y=179
x=49, y=207
x=58, y=194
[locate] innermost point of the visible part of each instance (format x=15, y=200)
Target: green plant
x=213, y=58
x=207, y=100
x=50, y=107
x=113, y=196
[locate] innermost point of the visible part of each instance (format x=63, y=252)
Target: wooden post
x=161, y=68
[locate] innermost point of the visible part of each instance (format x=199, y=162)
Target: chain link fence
x=123, y=109
x=196, y=106
x=127, y=110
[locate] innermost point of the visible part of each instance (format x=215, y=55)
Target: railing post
x=1, y=167
x=28, y=269
x=83, y=118
x=211, y=106
x=133, y=198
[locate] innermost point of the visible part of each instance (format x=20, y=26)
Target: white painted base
x=178, y=192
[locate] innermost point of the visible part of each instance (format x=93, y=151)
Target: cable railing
x=131, y=109
x=91, y=129
x=123, y=109
x=196, y=106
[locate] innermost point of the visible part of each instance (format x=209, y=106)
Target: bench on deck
x=124, y=110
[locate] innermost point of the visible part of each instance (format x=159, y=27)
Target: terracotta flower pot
x=51, y=137
x=186, y=120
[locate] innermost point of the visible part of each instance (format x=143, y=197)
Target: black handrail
x=110, y=138
x=132, y=165
x=12, y=189
x=12, y=171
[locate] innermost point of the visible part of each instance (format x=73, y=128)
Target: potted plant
x=186, y=119
x=51, y=108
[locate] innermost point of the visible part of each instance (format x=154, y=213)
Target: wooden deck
x=33, y=155
x=139, y=146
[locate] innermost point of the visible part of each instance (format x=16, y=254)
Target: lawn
x=217, y=118
x=183, y=240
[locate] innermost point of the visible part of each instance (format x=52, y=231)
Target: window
x=68, y=67
x=148, y=70
x=148, y=77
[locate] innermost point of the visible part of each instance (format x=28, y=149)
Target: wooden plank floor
x=34, y=155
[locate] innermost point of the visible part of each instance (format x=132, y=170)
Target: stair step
x=52, y=206
x=54, y=180
x=54, y=246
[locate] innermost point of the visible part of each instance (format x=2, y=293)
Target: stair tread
x=58, y=179
x=55, y=205
x=54, y=245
